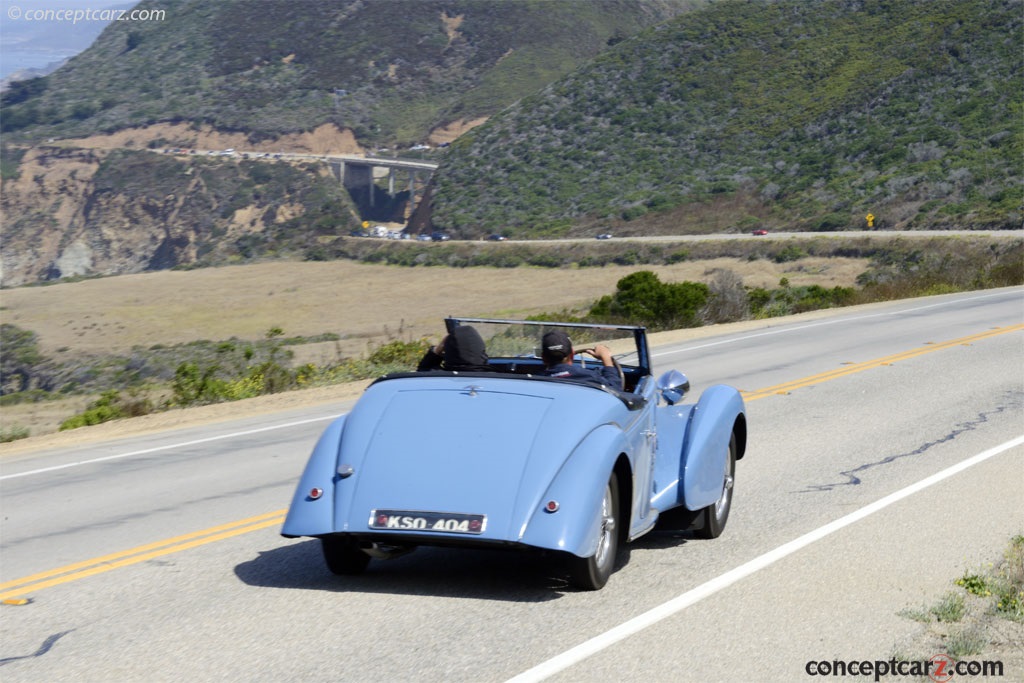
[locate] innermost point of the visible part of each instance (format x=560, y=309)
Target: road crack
x=852, y=476
x=43, y=649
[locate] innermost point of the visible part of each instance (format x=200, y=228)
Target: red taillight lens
x=315, y=493
x=551, y=506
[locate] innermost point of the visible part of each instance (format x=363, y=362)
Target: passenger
x=462, y=350
x=556, y=352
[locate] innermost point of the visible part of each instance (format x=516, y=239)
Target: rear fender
x=306, y=516
x=578, y=489
x=706, y=446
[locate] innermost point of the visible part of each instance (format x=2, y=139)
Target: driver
x=556, y=352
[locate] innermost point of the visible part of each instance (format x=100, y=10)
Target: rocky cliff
x=80, y=212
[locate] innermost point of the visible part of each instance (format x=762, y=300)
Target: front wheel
x=343, y=556
x=714, y=516
x=591, y=573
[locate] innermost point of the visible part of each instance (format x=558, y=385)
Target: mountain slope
x=391, y=70
x=796, y=114
x=77, y=212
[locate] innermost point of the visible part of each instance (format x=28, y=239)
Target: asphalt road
x=885, y=459
x=780, y=235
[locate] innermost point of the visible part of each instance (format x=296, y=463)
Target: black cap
x=555, y=344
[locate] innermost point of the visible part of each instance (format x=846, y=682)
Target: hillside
x=392, y=71
x=755, y=114
x=81, y=196
x=714, y=117
x=73, y=212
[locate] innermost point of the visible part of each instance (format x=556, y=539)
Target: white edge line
x=584, y=650
x=168, y=447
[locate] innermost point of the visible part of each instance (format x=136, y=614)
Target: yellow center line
x=72, y=572
x=852, y=368
x=124, y=558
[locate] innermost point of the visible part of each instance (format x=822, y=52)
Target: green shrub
x=111, y=405
x=790, y=252
x=399, y=353
x=13, y=433
x=788, y=300
x=642, y=299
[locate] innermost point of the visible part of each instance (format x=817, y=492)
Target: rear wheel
x=591, y=573
x=343, y=556
x=714, y=516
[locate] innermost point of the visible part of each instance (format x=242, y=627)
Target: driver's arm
x=602, y=353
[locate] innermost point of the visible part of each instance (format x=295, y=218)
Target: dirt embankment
x=325, y=139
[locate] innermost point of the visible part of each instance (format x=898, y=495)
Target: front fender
x=306, y=516
x=578, y=488
x=707, y=445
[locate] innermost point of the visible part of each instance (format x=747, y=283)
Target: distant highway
x=909, y=234
x=419, y=164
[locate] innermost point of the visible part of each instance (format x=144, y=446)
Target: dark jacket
x=602, y=374
x=463, y=350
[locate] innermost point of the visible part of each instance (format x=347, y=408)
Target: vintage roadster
x=504, y=456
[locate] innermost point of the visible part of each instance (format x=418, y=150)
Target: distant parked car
x=439, y=237
x=604, y=236
x=497, y=238
x=760, y=231
x=423, y=237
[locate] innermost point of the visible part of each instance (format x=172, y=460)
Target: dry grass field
x=364, y=304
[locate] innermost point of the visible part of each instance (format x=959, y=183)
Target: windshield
x=521, y=339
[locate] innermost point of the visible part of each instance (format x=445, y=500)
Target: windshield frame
x=638, y=357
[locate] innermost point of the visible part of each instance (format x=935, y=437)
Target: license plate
x=444, y=522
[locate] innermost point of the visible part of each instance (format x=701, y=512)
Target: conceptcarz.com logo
x=940, y=668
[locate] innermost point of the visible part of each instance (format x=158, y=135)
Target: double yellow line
x=11, y=591
x=852, y=368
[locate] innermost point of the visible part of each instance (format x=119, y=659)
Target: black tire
x=591, y=573
x=714, y=516
x=343, y=556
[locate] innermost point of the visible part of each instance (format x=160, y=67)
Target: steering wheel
x=615, y=363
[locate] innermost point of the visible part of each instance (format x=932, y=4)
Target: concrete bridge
x=358, y=173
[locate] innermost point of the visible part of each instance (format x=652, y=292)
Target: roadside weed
x=967, y=641
x=974, y=584
x=921, y=614
x=949, y=608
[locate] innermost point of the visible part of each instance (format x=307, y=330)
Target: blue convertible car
x=504, y=456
